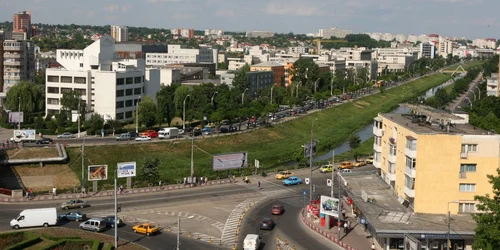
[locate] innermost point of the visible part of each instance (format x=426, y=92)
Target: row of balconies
x=11, y=55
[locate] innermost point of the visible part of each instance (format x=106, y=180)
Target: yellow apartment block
x=435, y=160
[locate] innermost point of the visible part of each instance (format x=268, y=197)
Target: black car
x=266, y=224
x=110, y=221
x=44, y=141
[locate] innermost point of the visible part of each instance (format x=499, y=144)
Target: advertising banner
x=126, y=169
x=329, y=206
x=16, y=117
x=98, y=172
x=25, y=135
x=229, y=161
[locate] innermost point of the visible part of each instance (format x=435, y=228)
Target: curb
x=111, y=193
x=327, y=235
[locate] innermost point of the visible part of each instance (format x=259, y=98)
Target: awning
x=411, y=138
x=426, y=236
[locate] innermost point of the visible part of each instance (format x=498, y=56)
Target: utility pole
x=192, y=153
x=116, y=213
x=178, y=233
x=83, y=164
x=340, y=204
x=19, y=110
x=79, y=114
x=333, y=172
x=310, y=163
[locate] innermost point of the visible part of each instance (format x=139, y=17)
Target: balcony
x=409, y=192
x=411, y=172
x=392, y=158
x=377, y=164
x=392, y=176
x=377, y=148
x=12, y=78
x=12, y=63
x=378, y=131
x=412, y=153
x=463, y=155
x=12, y=56
x=462, y=175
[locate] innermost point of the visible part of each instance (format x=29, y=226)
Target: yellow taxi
x=345, y=165
x=283, y=175
x=359, y=164
x=369, y=160
x=145, y=228
x=326, y=169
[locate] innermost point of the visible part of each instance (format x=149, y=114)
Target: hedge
x=58, y=238
x=108, y=247
x=95, y=244
x=33, y=240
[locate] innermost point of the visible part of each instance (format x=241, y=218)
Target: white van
x=35, y=218
x=95, y=224
x=168, y=133
x=251, y=242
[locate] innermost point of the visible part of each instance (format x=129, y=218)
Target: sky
x=455, y=18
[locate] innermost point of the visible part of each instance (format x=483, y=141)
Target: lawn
x=272, y=146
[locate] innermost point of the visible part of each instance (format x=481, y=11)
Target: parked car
x=66, y=135
x=224, y=129
x=181, y=131
x=326, y=169
x=44, y=141
x=359, y=164
x=110, y=221
x=277, y=209
x=150, y=133
x=123, y=137
x=197, y=132
x=143, y=138
x=145, y=228
x=76, y=216
x=94, y=224
x=266, y=224
x=283, y=175
x=294, y=180
x=345, y=165
x=224, y=122
x=369, y=160
x=74, y=204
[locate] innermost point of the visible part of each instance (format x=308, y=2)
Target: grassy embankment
x=272, y=146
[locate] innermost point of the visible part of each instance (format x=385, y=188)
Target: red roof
x=491, y=39
x=433, y=35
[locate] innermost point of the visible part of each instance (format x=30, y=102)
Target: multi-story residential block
x=492, y=85
x=119, y=33
x=18, y=60
x=235, y=64
x=298, y=50
x=328, y=33
x=186, y=33
x=445, y=47
x=107, y=85
x=262, y=34
x=135, y=50
x=356, y=53
x=333, y=64
x=21, y=24
x=395, y=59
x=214, y=33
x=488, y=43
x=277, y=69
x=427, y=50
x=178, y=55
x=432, y=159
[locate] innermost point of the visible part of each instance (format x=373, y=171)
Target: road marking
x=228, y=236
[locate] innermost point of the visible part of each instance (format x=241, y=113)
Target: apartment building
x=258, y=80
x=18, y=59
x=488, y=43
x=177, y=54
x=394, y=59
x=445, y=47
x=262, y=34
x=356, y=53
x=185, y=33
x=492, y=85
x=277, y=69
x=119, y=33
x=432, y=159
x=108, y=85
x=427, y=50
x=328, y=33
x=21, y=26
x=214, y=33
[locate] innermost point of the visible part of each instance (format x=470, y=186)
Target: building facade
x=328, y=33
x=488, y=43
x=18, y=63
x=277, y=69
x=176, y=54
x=445, y=47
x=185, y=33
x=427, y=50
x=21, y=23
x=430, y=180
x=262, y=34
x=107, y=85
x=133, y=50
x=119, y=33
x=258, y=80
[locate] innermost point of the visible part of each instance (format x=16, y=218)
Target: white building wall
x=169, y=76
x=53, y=104
x=152, y=83
x=234, y=65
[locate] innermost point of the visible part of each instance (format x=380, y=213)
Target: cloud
x=125, y=8
x=162, y=1
x=291, y=9
x=111, y=8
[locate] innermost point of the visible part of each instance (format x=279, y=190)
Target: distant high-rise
x=119, y=33
x=21, y=23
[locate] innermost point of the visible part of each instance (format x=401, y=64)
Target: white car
x=143, y=138
x=181, y=131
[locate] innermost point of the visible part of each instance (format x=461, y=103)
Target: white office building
x=427, y=50
x=338, y=33
x=108, y=86
x=395, y=59
x=489, y=43
x=177, y=55
x=445, y=47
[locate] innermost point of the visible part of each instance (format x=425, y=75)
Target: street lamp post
x=192, y=154
x=79, y=101
x=474, y=93
x=116, y=212
x=469, y=101
x=184, y=113
x=449, y=225
x=316, y=85
x=137, y=115
x=243, y=96
x=272, y=92
x=478, y=90
x=19, y=110
x=331, y=86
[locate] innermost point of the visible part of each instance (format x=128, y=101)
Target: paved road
x=462, y=100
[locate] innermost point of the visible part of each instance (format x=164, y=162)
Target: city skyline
x=444, y=17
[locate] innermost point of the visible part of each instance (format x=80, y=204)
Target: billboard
x=309, y=148
x=16, y=117
x=229, y=161
x=126, y=169
x=25, y=134
x=98, y=172
x=329, y=206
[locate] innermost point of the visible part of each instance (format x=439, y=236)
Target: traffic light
x=329, y=182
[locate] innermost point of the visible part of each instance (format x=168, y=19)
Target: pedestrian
x=373, y=246
x=343, y=212
x=246, y=179
x=185, y=180
x=348, y=226
x=27, y=194
x=54, y=191
x=345, y=227
x=259, y=184
x=121, y=189
x=31, y=193
x=201, y=180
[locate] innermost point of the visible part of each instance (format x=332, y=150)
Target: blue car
x=76, y=216
x=293, y=180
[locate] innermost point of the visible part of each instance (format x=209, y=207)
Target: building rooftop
x=388, y=216
x=267, y=64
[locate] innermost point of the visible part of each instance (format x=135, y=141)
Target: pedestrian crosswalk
x=229, y=235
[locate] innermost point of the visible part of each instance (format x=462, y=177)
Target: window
x=467, y=187
x=120, y=93
x=467, y=168
x=53, y=101
x=128, y=114
x=66, y=79
x=52, y=78
x=66, y=90
x=119, y=116
x=466, y=207
x=81, y=65
x=120, y=81
x=409, y=182
x=410, y=162
x=377, y=140
x=137, y=79
x=129, y=103
x=53, y=90
x=80, y=80
x=411, y=144
x=81, y=91
x=130, y=80
x=137, y=91
x=392, y=150
x=129, y=92
x=119, y=104
x=392, y=168
x=469, y=148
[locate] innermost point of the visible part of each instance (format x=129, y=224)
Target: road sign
x=329, y=182
x=257, y=163
x=362, y=221
x=305, y=192
x=307, y=181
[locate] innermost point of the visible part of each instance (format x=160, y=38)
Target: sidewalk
x=453, y=106
x=356, y=239
x=110, y=193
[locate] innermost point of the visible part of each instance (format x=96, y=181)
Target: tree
x=94, y=124
x=150, y=171
x=305, y=71
x=487, y=232
x=147, y=112
x=240, y=80
x=354, y=143
x=166, y=104
x=30, y=96
x=71, y=100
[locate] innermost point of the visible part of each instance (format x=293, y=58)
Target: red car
x=277, y=210
x=150, y=133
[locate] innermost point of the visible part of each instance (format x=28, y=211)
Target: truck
x=35, y=218
x=24, y=135
x=168, y=133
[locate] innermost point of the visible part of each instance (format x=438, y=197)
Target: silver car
x=66, y=135
x=95, y=224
